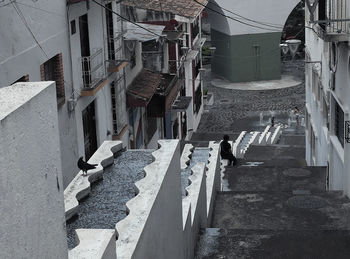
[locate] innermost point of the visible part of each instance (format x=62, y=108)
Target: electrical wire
x=24, y=21
x=234, y=19
x=277, y=26
x=40, y=9
x=126, y=19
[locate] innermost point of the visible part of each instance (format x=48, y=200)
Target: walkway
x=285, y=82
x=277, y=207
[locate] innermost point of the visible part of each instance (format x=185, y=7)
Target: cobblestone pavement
x=236, y=109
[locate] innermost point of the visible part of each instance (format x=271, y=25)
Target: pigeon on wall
x=84, y=166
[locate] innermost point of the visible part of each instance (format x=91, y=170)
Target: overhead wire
x=126, y=19
x=278, y=26
x=234, y=19
x=24, y=21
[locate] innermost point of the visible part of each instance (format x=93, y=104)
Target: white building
x=181, y=55
x=328, y=89
x=34, y=51
x=98, y=73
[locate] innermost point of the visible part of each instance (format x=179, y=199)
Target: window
x=114, y=108
x=315, y=84
x=130, y=52
x=339, y=123
x=198, y=98
x=325, y=110
x=73, y=28
x=22, y=79
x=52, y=70
x=322, y=12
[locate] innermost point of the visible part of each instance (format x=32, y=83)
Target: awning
x=181, y=103
x=134, y=32
x=165, y=96
x=142, y=88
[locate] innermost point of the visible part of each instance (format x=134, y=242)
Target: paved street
x=236, y=110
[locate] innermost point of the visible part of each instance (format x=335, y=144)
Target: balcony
x=93, y=73
x=116, y=60
x=333, y=19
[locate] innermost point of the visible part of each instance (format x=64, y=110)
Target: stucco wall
x=272, y=12
x=153, y=228
x=248, y=53
x=20, y=55
x=328, y=148
x=196, y=202
x=249, y=57
x=32, y=209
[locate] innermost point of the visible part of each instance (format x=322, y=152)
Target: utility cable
x=126, y=19
x=234, y=19
x=278, y=26
x=20, y=14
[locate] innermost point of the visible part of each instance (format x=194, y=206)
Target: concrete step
x=273, y=162
x=288, y=210
x=261, y=153
x=257, y=177
x=213, y=136
x=293, y=140
x=268, y=244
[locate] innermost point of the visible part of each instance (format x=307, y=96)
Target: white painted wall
x=328, y=148
x=153, y=228
x=273, y=12
x=32, y=209
x=197, y=200
x=103, y=106
x=20, y=55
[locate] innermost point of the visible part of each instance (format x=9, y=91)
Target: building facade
x=178, y=57
x=328, y=89
x=247, y=39
x=33, y=51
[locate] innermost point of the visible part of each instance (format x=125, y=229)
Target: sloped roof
x=143, y=88
x=186, y=8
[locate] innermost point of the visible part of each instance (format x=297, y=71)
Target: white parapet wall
x=255, y=138
x=213, y=177
x=262, y=138
x=268, y=137
x=195, y=217
x=31, y=186
x=154, y=226
x=235, y=146
x=79, y=187
x=94, y=244
x=276, y=135
x=186, y=156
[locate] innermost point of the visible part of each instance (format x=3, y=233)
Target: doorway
x=89, y=125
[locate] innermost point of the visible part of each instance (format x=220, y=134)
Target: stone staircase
x=274, y=206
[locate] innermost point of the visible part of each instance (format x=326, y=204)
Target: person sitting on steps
x=226, y=151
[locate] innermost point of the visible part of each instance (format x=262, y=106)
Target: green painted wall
x=250, y=57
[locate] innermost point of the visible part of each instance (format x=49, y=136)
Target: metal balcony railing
x=115, y=48
x=93, y=69
x=333, y=19
x=339, y=14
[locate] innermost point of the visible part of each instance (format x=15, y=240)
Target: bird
x=84, y=166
